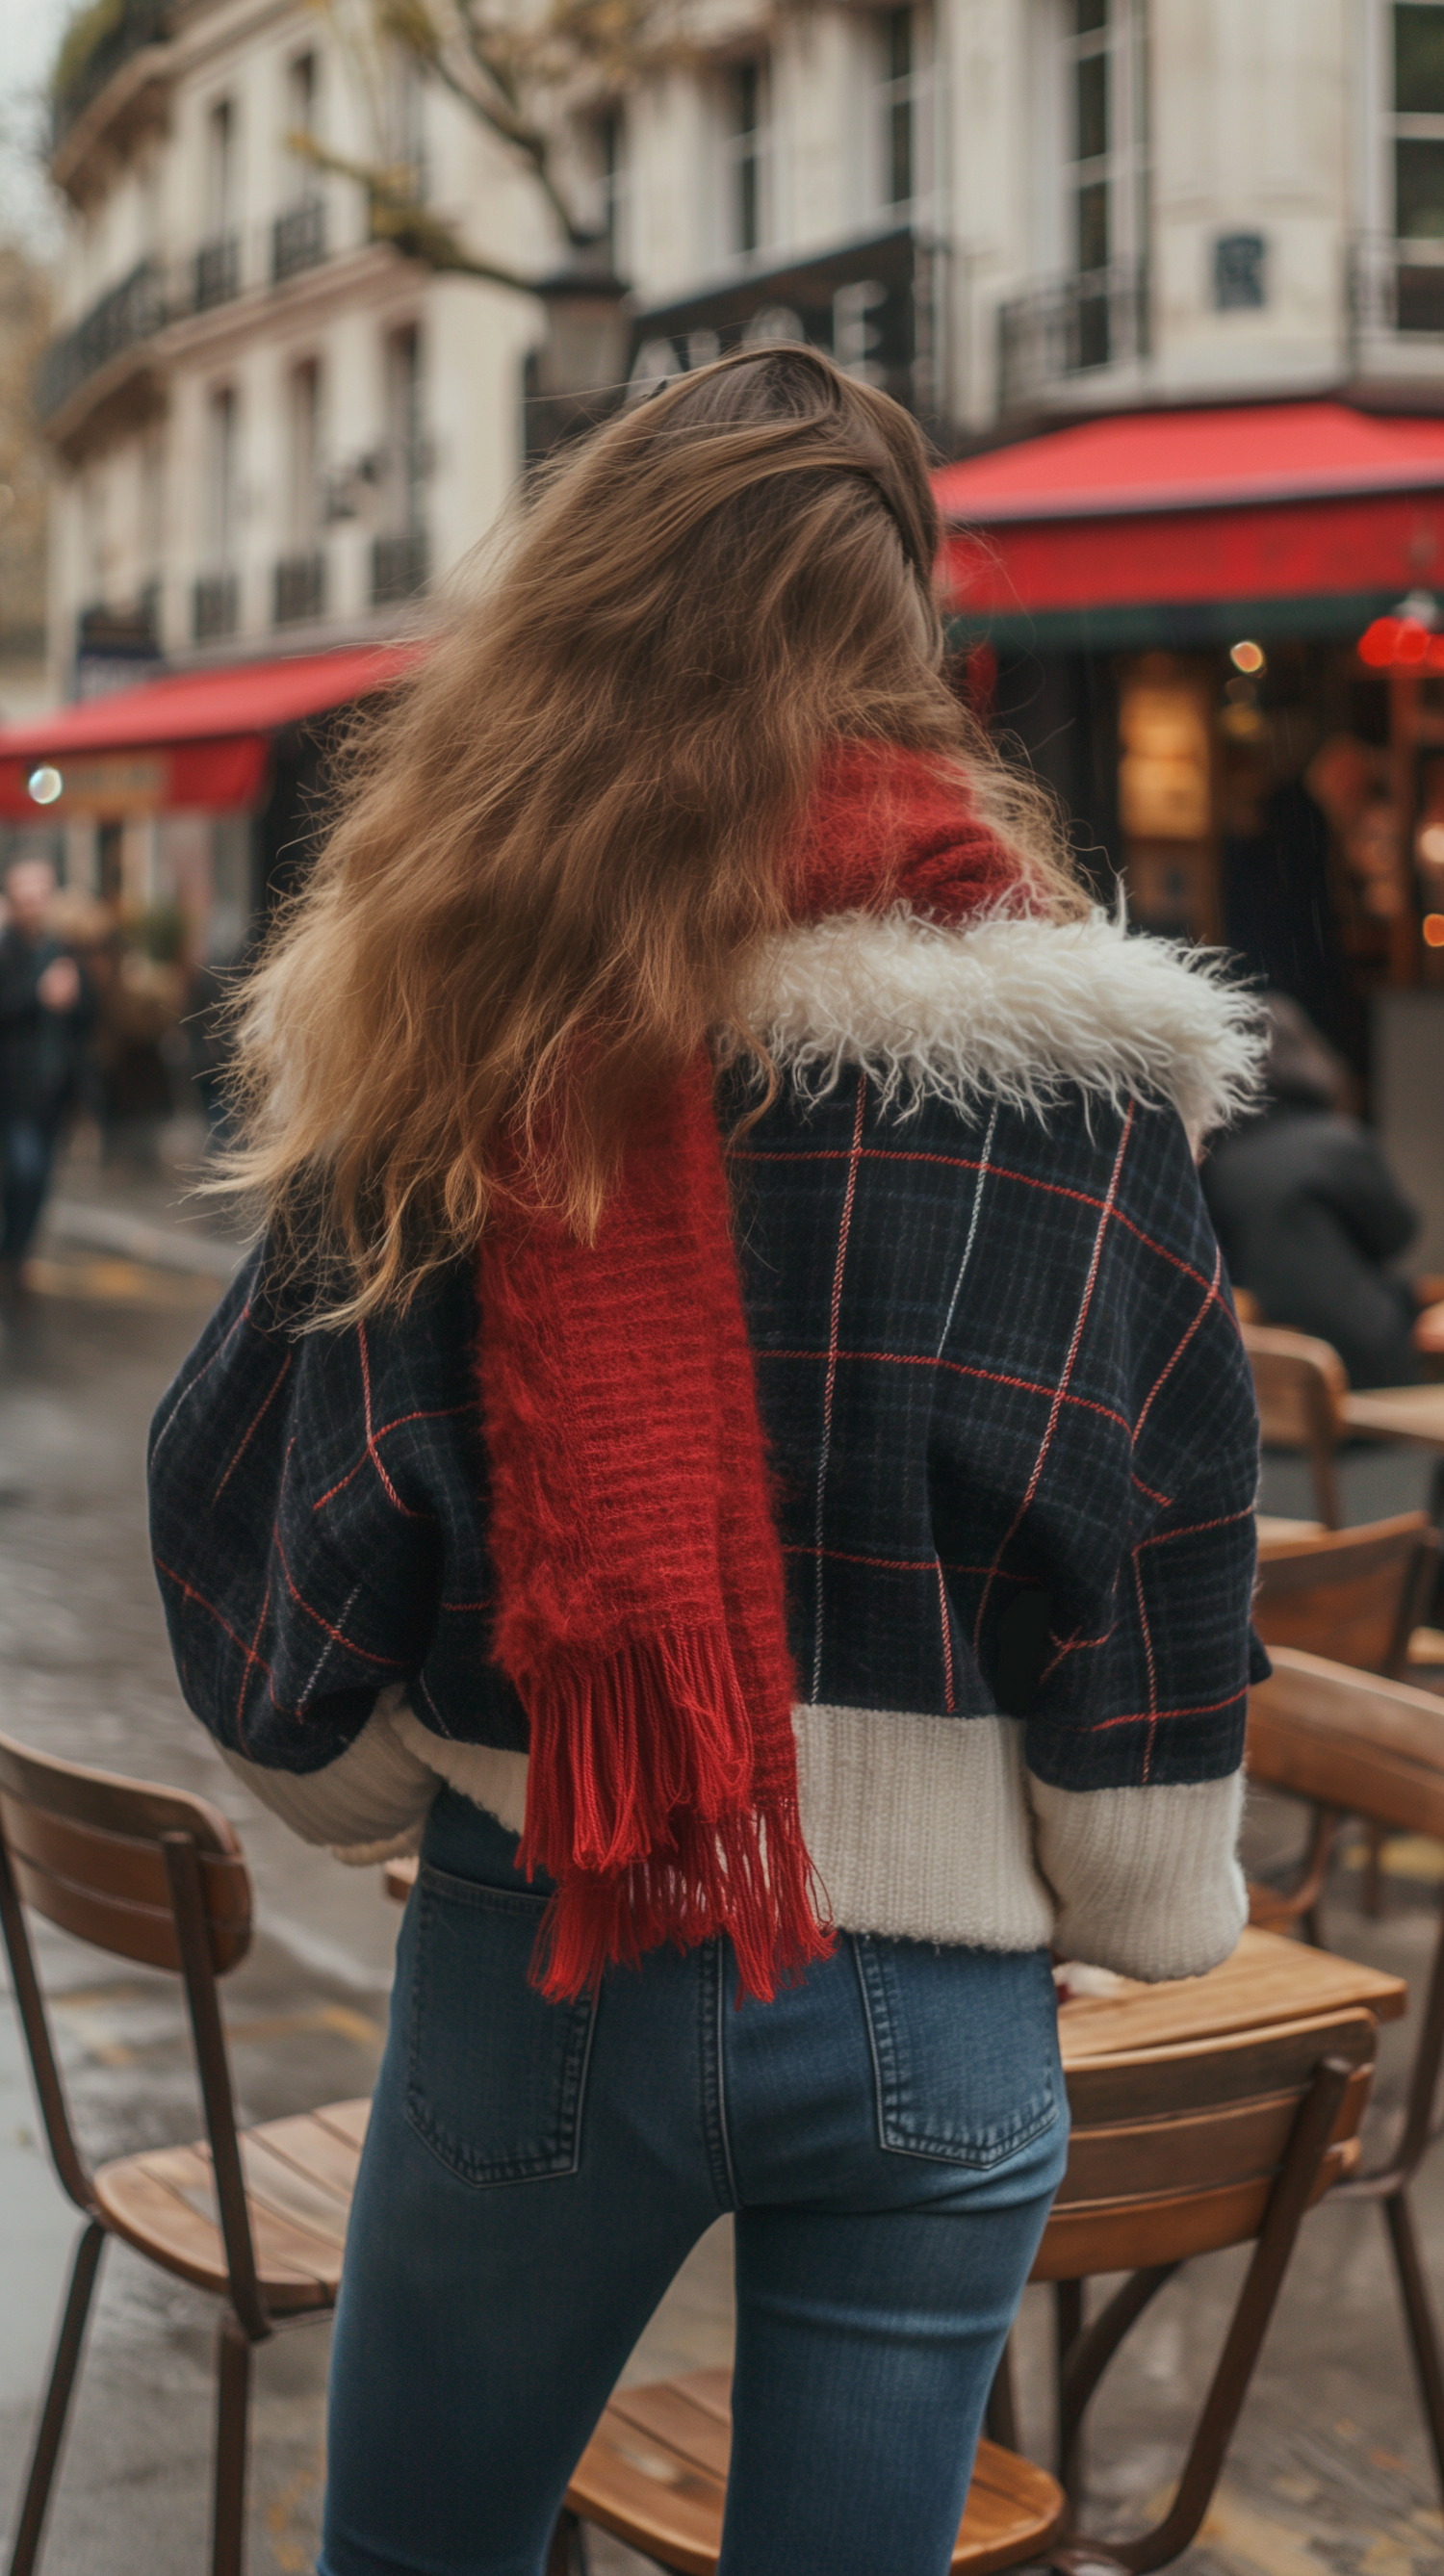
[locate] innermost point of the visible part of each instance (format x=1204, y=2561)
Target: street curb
x=159, y=1247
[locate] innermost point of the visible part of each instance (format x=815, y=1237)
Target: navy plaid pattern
x=1012, y=1426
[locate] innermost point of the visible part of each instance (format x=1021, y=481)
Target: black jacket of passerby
x=40, y=1049
x=1308, y=1212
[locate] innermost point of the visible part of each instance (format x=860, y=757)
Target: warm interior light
x=45, y=784
x=1401, y=644
x=1246, y=656
x=1434, y=929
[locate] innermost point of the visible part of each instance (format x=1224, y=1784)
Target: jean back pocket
x=495, y=2074
x=964, y=2046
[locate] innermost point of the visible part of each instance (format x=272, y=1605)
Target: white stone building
x=271, y=431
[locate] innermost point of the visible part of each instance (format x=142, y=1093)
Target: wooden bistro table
x=1267, y=1980
x=1398, y=1413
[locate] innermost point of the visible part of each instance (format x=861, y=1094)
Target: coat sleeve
x=304, y=1521
x=1134, y=1740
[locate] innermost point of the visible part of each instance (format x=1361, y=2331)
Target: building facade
x=270, y=431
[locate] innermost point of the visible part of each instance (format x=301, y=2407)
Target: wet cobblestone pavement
x=1329, y=2472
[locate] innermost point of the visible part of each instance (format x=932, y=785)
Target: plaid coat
x=1013, y=1436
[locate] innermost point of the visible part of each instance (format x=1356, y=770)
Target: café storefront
x=1216, y=633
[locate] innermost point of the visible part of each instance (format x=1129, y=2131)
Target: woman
x=738, y=1392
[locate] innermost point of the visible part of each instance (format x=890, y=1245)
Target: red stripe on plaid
x=372, y=1453
x=1061, y=1391
x=436, y=1413
x=1073, y=1646
x=254, y=1424
x=949, y=1697
x=1165, y=1716
x=1164, y=1501
x=1147, y=1657
x=972, y=1163
x=1166, y=1373
x=830, y=1383
x=1196, y=1529
x=388, y=1663
x=959, y=1368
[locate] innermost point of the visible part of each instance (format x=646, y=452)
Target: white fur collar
x=1009, y=1009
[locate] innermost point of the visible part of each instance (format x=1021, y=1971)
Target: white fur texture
x=1008, y=1009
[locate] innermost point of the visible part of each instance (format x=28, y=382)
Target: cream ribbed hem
x=919, y=1826
x=922, y=1829
x=1147, y=1880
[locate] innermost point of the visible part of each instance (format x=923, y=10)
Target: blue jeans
x=889, y=2136
x=27, y=1151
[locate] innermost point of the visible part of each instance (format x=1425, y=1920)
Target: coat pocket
x=496, y=2075
x=964, y=2048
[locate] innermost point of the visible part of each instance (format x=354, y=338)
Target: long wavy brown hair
x=558, y=841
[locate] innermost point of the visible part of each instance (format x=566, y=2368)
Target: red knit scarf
x=640, y=1604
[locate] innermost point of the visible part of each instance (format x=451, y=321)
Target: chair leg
x=233, y=2400
x=566, y=2556
x=50, y=2431
x=1420, y=2320
x=1067, y=2327
x=1373, y=1890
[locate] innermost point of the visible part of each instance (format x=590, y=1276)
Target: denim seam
x=483, y=2173
x=855, y=1944
x=974, y=2155
x=714, y=2107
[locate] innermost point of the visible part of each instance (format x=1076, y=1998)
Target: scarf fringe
x=642, y=1803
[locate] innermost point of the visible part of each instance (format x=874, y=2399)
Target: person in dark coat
x=44, y=1011
x=1309, y=1214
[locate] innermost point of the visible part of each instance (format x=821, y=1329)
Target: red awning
x=1306, y=516
x=194, y=740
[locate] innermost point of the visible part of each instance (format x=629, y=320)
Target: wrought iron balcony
x=132, y=311
x=213, y=607
x=1099, y=318
x=299, y=589
x=298, y=239
x=84, y=67
x=399, y=566
x=1395, y=287
x=217, y=271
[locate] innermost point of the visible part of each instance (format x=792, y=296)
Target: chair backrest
x=150, y=1874
x=1355, y=1595
x=1349, y=1740
x=1175, y=2151
x=88, y=1851
x=1300, y=1384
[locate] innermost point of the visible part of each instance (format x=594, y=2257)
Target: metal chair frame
x=245, y=2319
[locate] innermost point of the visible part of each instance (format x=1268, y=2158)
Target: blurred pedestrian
x=802, y=1544
x=44, y=1015
x=1309, y=1215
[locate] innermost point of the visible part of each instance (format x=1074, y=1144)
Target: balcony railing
x=130, y=312
x=213, y=607
x=218, y=272
x=299, y=589
x=298, y=239
x=1069, y=327
x=85, y=67
x=1396, y=287
x=399, y=566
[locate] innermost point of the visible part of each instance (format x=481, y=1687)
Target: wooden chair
x=1355, y=1595
x=157, y=1876
x=1175, y=2152
x=1301, y=1386
x=1353, y=1745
